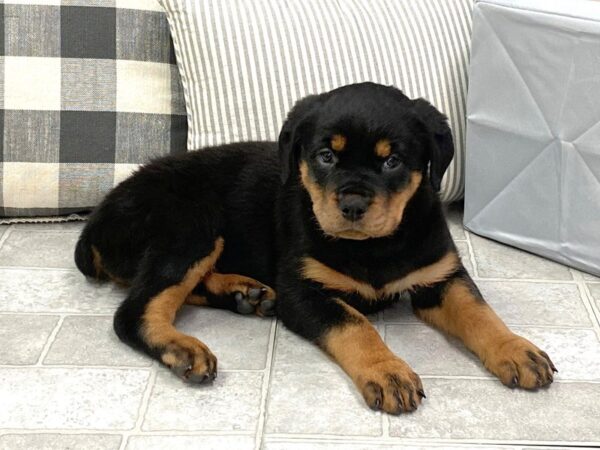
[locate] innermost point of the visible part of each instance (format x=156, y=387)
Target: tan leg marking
x=385, y=381
x=513, y=359
x=196, y=300
x=186, y=355
x=332, y=279
x=228, y=283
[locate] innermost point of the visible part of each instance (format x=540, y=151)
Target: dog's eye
x=326, y=156
x=391, y=162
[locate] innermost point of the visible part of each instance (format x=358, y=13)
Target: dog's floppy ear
x=289, y=137
x=442, y=148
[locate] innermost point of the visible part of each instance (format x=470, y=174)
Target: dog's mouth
x=349, y=230
x=355, y=235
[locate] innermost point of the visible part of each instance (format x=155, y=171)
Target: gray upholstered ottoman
x=533, y=137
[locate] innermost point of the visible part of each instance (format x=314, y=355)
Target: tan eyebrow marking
x=383, y=148
x=338, y=142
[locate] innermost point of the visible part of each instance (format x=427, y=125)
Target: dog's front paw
x=391, y=386
x=519, y=363
x=190, y=359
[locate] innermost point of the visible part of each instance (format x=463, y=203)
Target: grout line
x=4, y=237
x=509, y=324
x=333, y=438
x=53, y=269
x=42, y=230
x=475, y=273
x=50, y=341
x=588, y=301
x=260, y=427
x=143, y=409
x=525, y=280
x=123, y=433
x=56, y=313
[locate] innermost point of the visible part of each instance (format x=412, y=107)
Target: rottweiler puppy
x=341, y=217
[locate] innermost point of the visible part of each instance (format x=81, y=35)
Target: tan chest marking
x=425, y=276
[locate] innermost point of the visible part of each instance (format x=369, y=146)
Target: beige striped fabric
x=244, y=63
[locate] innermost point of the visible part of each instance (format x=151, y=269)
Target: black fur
x=152, y=227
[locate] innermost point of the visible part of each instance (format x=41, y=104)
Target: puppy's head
x=361, y=152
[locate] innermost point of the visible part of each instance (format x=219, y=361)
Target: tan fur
x=332, y=279
x=338, y=142
x=97, y=261
x=425, y=276
x=381, y=219
x=100, y=270
x=383, y=148
x=196, y=300
x=503, y=353
x=160, y=312
x=358, y=348
x=228, y=283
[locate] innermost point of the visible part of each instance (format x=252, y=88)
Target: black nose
x=353, y=206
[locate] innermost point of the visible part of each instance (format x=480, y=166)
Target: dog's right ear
x=297, y=123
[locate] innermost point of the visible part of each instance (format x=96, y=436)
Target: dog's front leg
x=386, y=382
x=457, y=307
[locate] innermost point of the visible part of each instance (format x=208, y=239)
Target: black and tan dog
x=341, y=219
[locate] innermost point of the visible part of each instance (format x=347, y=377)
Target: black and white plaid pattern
x=89, y=89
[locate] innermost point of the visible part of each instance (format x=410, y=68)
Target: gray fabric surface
x=533, y=141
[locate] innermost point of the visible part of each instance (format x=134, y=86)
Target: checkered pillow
x=89, y=89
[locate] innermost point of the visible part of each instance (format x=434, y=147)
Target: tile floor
x=66, y=382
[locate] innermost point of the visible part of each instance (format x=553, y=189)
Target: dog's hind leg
x=237, y=293
x=145, y=319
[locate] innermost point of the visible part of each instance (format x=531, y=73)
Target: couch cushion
x=87, y=93
x=244, y=64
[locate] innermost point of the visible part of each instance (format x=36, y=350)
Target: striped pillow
x=243, y=64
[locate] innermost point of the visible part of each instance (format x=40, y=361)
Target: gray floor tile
x=525, y=303
x=400, y=312
x=23, y=337
x=496, y=260
x=23, y=290
x=91, y=340
x=454, y=218
x=190, y=442
x=238, y=342
x=295, y=354
x=485, y=409
x=307, y=387
x=25, y=248
x=431, y=352
x=590, y=277
x=53, y=398
x=576, y=353
x=60, y=441
x=232, y=402
x=374, y=445
x=465, y=257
